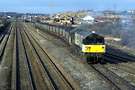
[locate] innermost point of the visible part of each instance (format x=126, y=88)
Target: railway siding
x=123, y=71
x=118, y=81
x=4, y=40
x=50, y=61
x=96, y=81
x=21, y=70
x=55, y=73
x=41, y=79
x=25, y=64
x=6, y=63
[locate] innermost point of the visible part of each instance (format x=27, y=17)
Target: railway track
x=54, y=72
x=2, y=33
x=119, y=58
x=21, y=76
x=32, y=68
x=123, y=71
x=3, y=41
x=41, y=77
x=122, y=66
x=6, y=60
x=112, y=78
x=124, y=61
x=28, y=73
x=25, y=65
x=120, y=53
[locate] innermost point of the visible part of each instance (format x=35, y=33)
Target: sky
x=54, y=6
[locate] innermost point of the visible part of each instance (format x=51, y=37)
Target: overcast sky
x=52, y=6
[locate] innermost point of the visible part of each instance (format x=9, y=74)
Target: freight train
x=84, y=42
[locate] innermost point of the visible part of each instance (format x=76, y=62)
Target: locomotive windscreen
x=93, y=39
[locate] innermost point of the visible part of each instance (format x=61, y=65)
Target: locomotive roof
x=67, y=28
x=84, y=27
x=83, y=33
x=84, y=30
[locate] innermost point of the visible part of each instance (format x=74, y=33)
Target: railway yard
x=31, y=59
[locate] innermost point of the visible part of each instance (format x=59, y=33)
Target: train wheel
x=102, y=60
x=89, y=59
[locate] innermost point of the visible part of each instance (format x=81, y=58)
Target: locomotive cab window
x=93, y=39
x=93, y=44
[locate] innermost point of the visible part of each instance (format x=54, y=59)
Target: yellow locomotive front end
x=93, y=48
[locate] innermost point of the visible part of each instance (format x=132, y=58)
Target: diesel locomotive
x=94, y=48
x=85, y=41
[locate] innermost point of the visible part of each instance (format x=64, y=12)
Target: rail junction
x=26, y=65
